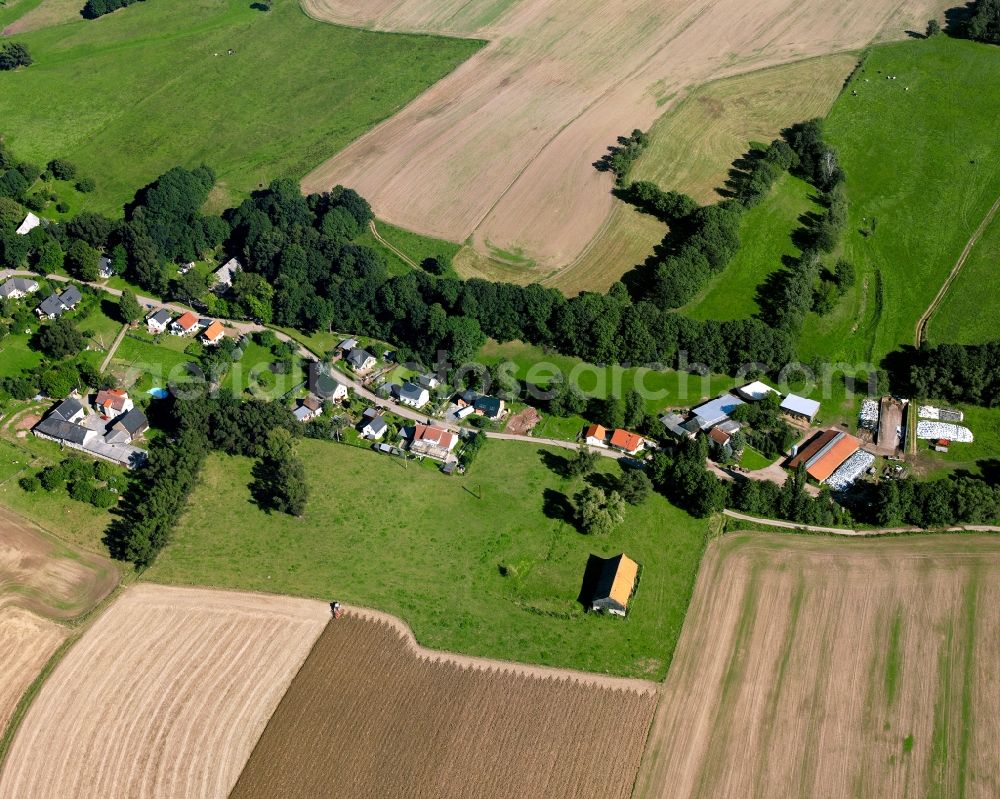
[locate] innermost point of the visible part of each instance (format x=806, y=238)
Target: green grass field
x=969, y=312
x=132, y=94
x=426, y=547
x=921, y=156
x=982, y=455
x=765, y=237
x=151, y=363
x=662, y=389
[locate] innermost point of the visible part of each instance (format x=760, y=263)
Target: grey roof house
x=18, y=287
x=55, y=305
x=360, y=359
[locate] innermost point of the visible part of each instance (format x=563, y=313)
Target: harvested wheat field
x=47, y=576
x=164, y=696
x=27, y=642
x=502, y=149
x=371, y=715
x=835, y=668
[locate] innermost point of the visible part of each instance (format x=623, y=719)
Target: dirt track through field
x=164, y=696
x=372, y=715
x=501, y=150
x=817, y=667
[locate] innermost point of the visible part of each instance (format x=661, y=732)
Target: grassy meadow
x=133, y=93
x=922, y=160
x=765, y=240
x=453, y=556
x=969, y=312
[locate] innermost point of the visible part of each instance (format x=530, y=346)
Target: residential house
x=104, y=267
x=616, y=582
x=720, y=442
x=303, y=414
x=596, y=435
x=428, y=381
x=30, y=223
x=157, y=323
x=184, y=324
x=434, y=442
x=325, y=385
x=374, y=428
x=55, y=305
x=309, y=408
x=360, y=360
x=18, y=287
x=214, y=333
x=127, y=428
x=632, y=443
x=114, y=402
x=347, y=345
x=716, y=411
x=490, y=407
x=224, y=275
x=800, y=407
x=413, y=395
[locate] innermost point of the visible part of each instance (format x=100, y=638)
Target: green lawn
x=753, y=460
x=983, y=454
x=426, y=547
x=151, y=362
x=969, y=312
x=667, y=388
x=14, y=9
x=134, y=93
x=252, y=376
x=765, y=237
x=16, y=355
x=922, y=156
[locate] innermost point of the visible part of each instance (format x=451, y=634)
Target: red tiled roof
x=214, y=331
x=114, y=398
x=434, y=435
x=623, y=439
x=186, y=321
x=596, y=431
x=719, y=436
x=839, y=451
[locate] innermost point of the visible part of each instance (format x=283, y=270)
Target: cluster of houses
x=630, y=443
x=187, y=324
x=52, y=307
x=106, y=431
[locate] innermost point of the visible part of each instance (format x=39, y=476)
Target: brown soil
x=834, y=668
x=47, y=576
x=27, y=641
x=501, y=150
x=27, y=422
x=374, y=716
x=523, y=423
x=165, y=696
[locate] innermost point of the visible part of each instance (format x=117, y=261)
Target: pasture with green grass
x=969, y=312
x=765, y=240
x=452, y=556
x=414, y=245
x=152, y=86
x=919, y=145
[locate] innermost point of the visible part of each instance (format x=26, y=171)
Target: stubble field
x=164, y=696
x=819, y=667
x=501, y=150
x=27, y=641
x=370, y=715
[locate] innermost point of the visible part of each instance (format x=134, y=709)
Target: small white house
x=30, y=223
x=413, y=395
x=800, y=407
x=18, y=287
x=157, y=322
x=224, y=274
x=374, y=428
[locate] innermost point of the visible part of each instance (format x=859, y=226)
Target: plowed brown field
x=837, y=668
x=371, y=716
x=164, y=696
x=502, y=149
x=27, y=641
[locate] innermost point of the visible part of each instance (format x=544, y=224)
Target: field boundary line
x=863, y=533
x=594, y=679
x=114, y=346
x=920, y=334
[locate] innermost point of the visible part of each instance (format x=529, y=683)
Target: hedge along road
x=308, y=355
x=966, y=528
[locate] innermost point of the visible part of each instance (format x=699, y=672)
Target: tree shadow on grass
x=556, y=505
x=554, y=462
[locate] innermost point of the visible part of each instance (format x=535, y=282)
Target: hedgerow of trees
x=984, y=23
x=98, y=8
x=14, y=55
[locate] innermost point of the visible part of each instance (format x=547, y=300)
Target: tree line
x=98, y=8
x=195, y=426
